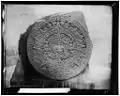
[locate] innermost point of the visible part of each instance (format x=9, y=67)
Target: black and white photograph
x=60, y=46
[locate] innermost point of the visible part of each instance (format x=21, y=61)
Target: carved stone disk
x=58, y=48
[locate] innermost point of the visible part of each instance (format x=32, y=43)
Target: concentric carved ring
x=58, y=48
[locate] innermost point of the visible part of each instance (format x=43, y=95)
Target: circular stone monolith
x=59, y=45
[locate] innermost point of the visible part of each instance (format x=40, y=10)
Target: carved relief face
x=58, y=48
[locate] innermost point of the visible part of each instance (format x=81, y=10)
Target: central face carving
x=58, y=48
